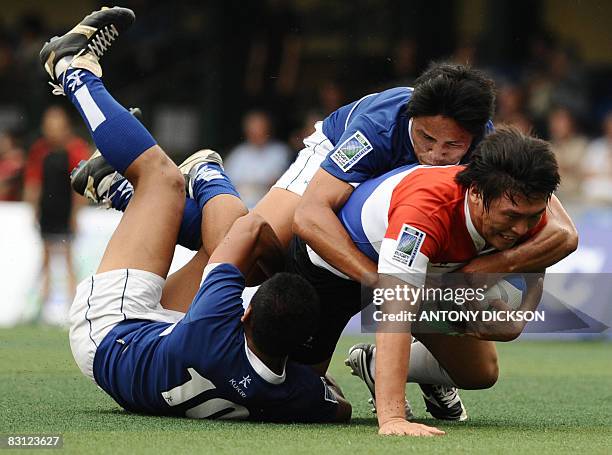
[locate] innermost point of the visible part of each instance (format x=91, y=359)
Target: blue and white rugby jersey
x=201, y=366
x=371, y=136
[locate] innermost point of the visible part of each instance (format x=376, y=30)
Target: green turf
x=551, y=398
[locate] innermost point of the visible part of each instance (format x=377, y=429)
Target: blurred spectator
x=403, y=65
x=569, y=147
x=32, y=37
x=466, y=52
x=597, y=166
x=557, y=81
x=331, y=96
x=47, y=188
x=273, y=63
x=570, y=84
x=6, y=62
x=511, y=107
x=11, y=166
x=258, y=162
x=296, y=139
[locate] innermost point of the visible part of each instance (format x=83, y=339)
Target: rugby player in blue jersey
x=217, y=360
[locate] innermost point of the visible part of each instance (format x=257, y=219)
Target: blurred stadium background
x=249, y=78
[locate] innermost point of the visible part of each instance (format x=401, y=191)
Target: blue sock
x=118, y=135
x=120, y=194
x=190, y=232
x=211, y=181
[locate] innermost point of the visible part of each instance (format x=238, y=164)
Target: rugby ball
x=510, y=290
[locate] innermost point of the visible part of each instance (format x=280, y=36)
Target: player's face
x=439, y=141
x=505, y=222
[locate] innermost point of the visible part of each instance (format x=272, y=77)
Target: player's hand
x=401, y=427
x=507, y=330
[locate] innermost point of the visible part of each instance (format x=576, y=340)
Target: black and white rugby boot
x=93, y=179
x=443, y=402
x=85, y=44
x=359, y=358
x=191, y=169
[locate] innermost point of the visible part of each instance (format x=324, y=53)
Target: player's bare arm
x=250, y=241
x=316, y=222
x=393, y=341
x=558, y=239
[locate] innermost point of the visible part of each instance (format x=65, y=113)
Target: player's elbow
x=571, y=240
x=567, y=236
x=343, y=412
x=251, y=224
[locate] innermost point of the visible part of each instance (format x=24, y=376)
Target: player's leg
x=439, y=364
x=278, y=206
x=97, y=180
x=145, y=238
x=70, y=269
x=45, y=271
x=470, y=363
x=218, y=215
x=130, y=278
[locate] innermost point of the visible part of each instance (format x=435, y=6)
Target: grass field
x=551, y=398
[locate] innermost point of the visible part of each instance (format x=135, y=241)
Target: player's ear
x=247, y=314
x=474, y=196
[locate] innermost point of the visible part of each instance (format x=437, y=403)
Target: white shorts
x=104, y=300
x=308, y=161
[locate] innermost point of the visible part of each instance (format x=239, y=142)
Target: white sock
x=423, y=367
x=62, y=65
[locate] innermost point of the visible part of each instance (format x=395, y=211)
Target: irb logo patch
x=409, y=244
x=351, y=151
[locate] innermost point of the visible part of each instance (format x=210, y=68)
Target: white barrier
x=21, y=254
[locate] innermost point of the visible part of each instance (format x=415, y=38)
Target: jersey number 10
x=194, y=387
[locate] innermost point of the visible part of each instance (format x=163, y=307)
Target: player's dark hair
x=285, y=311
x=510, y=163
x=459, y=92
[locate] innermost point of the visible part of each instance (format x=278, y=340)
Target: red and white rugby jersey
x=413, y=220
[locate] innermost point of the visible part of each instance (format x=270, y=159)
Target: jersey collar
x=262, y=369
x=479, y=241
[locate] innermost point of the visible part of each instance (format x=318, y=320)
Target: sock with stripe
x=210, y=181
x=119, y=136
x=423, y=367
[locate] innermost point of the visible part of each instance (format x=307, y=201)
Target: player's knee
x=176, y=181
x=482, y=376
x=489, y=374
x=168, y=175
